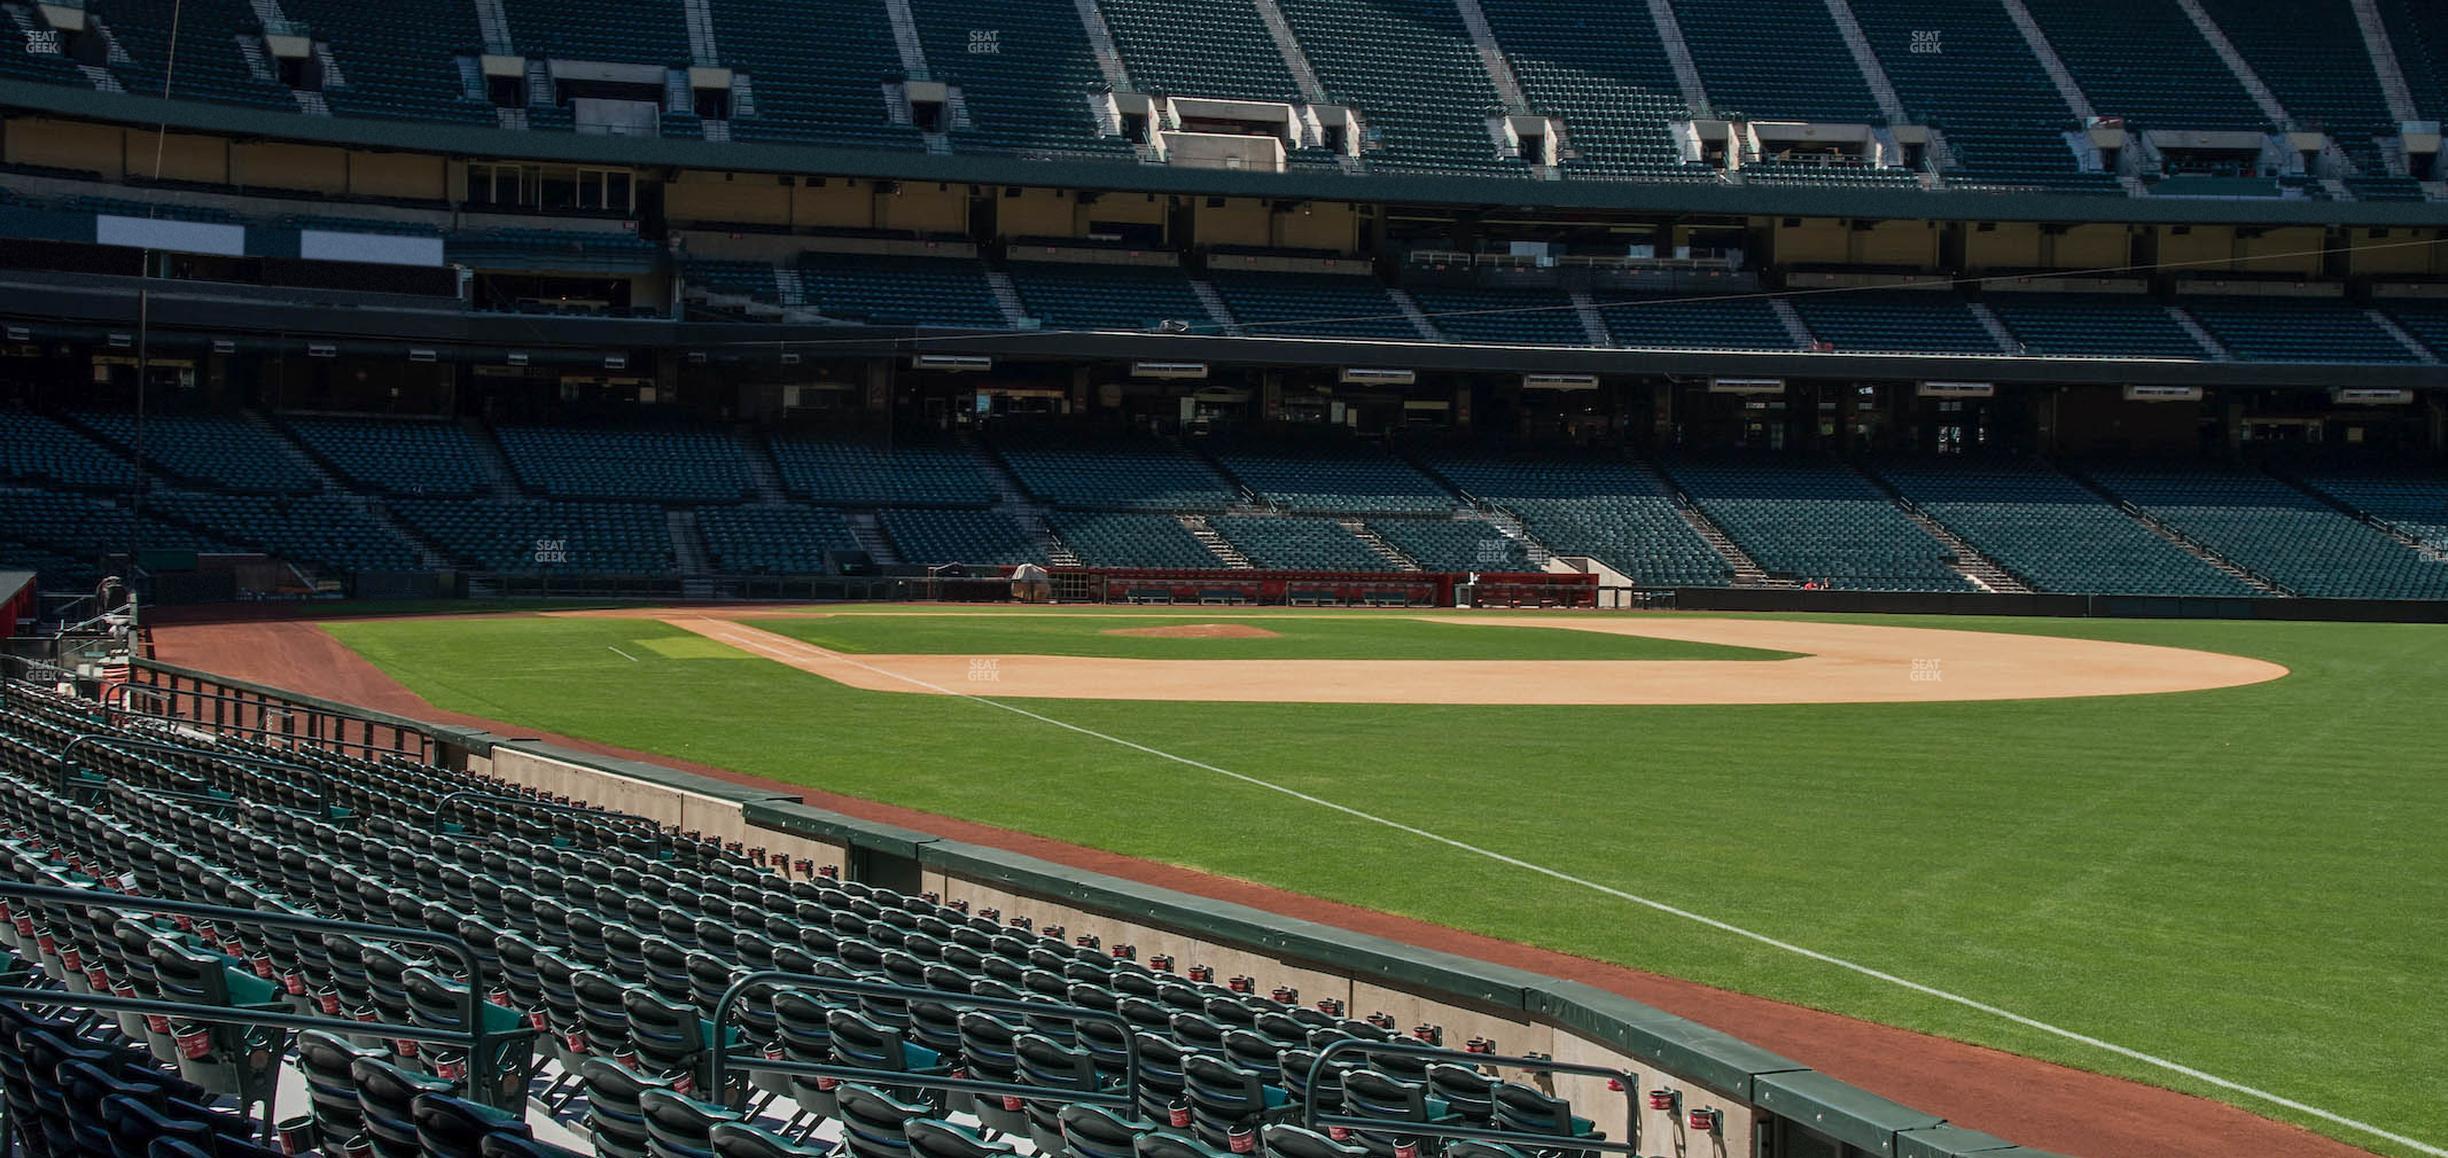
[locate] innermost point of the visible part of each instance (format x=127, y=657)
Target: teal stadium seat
x=1332, y=476
x=773, y=540
x=862, y=472
x=1296, y=543
x=675, y=464
x=2051, y=532
x=1412, y=68
x=1112, y=472
x=1596, y=507
x=395, y=456
x=1124, y=539
x=1816, y=521
x=2281, y=533
x=934, y=535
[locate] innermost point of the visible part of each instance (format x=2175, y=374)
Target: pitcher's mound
x=1194, y=631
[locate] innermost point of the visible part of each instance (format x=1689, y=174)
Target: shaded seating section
x=1199, y=48
x=2311, y=55
x=397, y=59
x=1503, y=317
x=89, y=528
x=2413, y=502
x=2093, y=326
x=773, y=540
x=1600, y=66
x=623, y=31
x=208, y=66
x=2279, y=532
x=1816, y=521
x=2418, y=30
x=1775, y=60
x=1122, y=539
x=1598, y=507
x=1671, y=322
x=899, y=472
x=226, y=452
x=2280, y=329
x=2148, y=64
x=2051, y=532
x=1025, y=88
x=2427, y=321
x=1299, y=305
x=746, y=279
x=1832, y=173
x=1121, y=472
x=327, y=531
x=397, y=456
x=1295, y=543
x=36, y=448
x=1332, y=475
x=1452, y=544
x=2002, y=116
x=929, y=535
x=824, y=88
x=679, y=463
x=1107, y=297
x=900, y=291
x=52, y=570
x=560, y=250
x=529, y=537
x=1909, y=321
x=1412, y=71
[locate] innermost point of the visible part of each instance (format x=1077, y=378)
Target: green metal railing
x=787, y=980
x=1624, y=1079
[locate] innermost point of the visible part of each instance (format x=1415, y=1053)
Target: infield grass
x=2251, y=881
x=1295, y=636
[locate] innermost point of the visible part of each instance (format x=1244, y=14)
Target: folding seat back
x=1225, y=1099
x=238, y=1060
x=875, y=1124
x=1467, y=1093
x=1158, y=1144
x=436, y=1002
x=934, y=1138
x=134, y=1128
x=327, y=1061
x=616, y=1115
x=668, y=1038
x=1529, y=1111
x=1283, y=1140
x=682, y=1127
x=603, y=1015
x=1048, y=1064
x=1090, y=1131
x=731, y=1140
x=667, y=968
x=386, y=1101
x=449, y=1127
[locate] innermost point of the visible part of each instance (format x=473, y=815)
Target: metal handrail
x=1311, y=1119
x=1074, y=1013
x=655, y=826
x=479, y=1039
x=323, y=797
x=143, y=674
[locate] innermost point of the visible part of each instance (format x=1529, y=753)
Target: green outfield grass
x=1297, y=636
x=2251, y=881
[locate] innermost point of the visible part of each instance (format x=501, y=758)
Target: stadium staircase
x=1678, y=53
x=869, y=532
x=2321, y=495
x=2393, y=87
x=1873, y=73
x=1593, y=323
x=1492, y=57
x=1795, y=328
x=1295, y=57
x=906, y=39
x=2211, y=346
x=688, y=546
x=1101, y=41
x=495, y=24
x=1389, y=552
x=763, y=472
x=2005, y=339
x=329, y=482
x=1978, y=569
x=2414, y=346
x=1007, y=297
x=2076, y=103
x=1747, y=571
x=1220, y=313
x=1014, y=500
x=1411, y=311
x=2243, y=69
x=699, y=16
x=2191, y=547
x=1208, y=538
x=494, y=463
x=1509, y=525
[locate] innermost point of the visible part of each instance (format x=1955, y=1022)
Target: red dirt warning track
x=2032, y=1102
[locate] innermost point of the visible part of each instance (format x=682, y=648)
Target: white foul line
x=620, y=653
x=759, y=645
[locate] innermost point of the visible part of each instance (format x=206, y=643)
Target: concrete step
x=1389, y=552
x=2152, y=524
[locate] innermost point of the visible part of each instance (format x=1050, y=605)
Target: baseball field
x=2210, y=856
